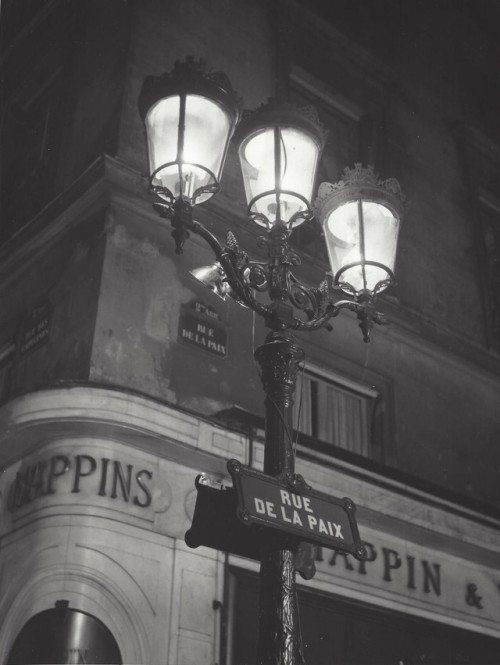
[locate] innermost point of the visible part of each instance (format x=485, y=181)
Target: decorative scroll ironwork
x=289, y=297
x=292, y=305
x=274, y=111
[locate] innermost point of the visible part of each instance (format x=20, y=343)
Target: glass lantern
x=190, y=117
x=279, y=149
x=360, y=216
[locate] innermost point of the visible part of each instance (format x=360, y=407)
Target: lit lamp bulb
x=279, y=150
x=189, y=116
x=362, y=234
x=360, y=217
x=184, y=167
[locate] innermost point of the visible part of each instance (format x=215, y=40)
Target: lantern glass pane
x=182, y=170
x=298, y=159
x=344, y=242
x=162, y=126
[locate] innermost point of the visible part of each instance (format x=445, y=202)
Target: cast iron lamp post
x=190, y=116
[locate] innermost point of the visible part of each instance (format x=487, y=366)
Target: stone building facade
x=112, y=403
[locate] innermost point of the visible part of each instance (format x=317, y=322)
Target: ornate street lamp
x=279, y=150
x=189, y=117
x=360, y=216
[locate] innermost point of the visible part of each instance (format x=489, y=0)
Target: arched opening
x=64, y=635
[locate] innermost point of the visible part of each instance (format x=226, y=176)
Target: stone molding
x=37, y=419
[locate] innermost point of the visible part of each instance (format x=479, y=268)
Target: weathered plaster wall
x=64, y=275
x=144, y=288
x=114, y=551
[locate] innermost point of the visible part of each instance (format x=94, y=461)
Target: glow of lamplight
x=268, y=190
x=185, y=156
x=359, y=232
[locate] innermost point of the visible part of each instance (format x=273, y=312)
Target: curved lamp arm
x=289, y=297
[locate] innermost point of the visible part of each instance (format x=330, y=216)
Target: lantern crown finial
x=362, y=179
x=276, y=111
x=279, y=147
x=190, y=75
x=189, y=114
x=360, y=216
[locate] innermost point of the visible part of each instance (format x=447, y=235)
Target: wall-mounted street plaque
x=35, y=328
x=201, y=326
x=296, y=509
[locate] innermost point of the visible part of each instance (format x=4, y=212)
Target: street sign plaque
x=296, y=509
x=215, y=524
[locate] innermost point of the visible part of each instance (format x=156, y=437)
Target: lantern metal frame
x=189, y=77
x=278, y=116
x=357, y=185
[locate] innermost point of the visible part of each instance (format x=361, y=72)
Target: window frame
x=320, y=428
x=488, y=204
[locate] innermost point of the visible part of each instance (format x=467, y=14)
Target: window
x=7, y=353
x=341, y=119
x=482, y=160
x=335, y=410
x=35, y=91
x=490, y=225
x=30, y=142
x=356, y=133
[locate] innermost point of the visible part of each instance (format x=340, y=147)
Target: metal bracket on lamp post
x=244, y=277
x=315, y=305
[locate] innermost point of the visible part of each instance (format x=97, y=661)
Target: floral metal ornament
x=360, y=181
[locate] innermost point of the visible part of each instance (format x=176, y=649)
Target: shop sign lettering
x=104, y=476
x=433, y=580
x=427, y=573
